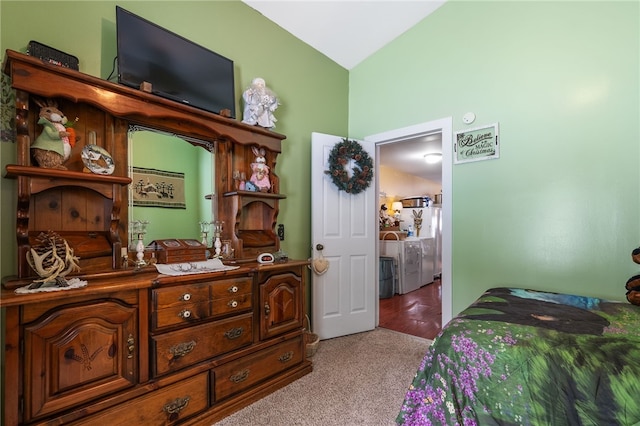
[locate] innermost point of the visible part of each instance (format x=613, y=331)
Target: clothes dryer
x=408, y=254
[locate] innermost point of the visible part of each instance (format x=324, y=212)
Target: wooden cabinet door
x=281, y=303
x=78, y=353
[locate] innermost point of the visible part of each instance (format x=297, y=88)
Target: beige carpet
x=359, y=379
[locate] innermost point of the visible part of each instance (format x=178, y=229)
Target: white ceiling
x=349, y=31
x=408, y=156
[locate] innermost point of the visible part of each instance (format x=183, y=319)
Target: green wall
x=560, y=209
x=313, y=90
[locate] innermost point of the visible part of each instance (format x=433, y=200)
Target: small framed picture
x=480, y=143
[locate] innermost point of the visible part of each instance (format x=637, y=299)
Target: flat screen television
x=176, y=68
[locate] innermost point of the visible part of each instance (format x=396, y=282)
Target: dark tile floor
x=418, y=313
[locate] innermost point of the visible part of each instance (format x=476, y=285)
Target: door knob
x=319, y=247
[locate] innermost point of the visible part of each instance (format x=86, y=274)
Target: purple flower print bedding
x=525, y=357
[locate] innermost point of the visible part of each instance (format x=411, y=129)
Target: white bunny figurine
x=260, y=175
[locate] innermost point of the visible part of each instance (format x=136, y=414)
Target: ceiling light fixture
x=433, y=157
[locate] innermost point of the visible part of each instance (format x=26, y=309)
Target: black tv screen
x=176, y=68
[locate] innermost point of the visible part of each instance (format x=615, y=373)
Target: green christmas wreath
x=361, y=174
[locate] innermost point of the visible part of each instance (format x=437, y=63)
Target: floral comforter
x=524, y=357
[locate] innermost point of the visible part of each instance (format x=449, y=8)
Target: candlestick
x=139, y=228
x=217, y=232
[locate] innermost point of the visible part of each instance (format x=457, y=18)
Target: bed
x=526, y=357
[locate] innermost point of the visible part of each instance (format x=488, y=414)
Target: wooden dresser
x=135, y=346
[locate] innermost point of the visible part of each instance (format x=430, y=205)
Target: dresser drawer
x=177, y=296
x=245, y=372
x=233, y=295
x=183, y=348
x=237, y=303
x=166, y=406
x=230, y=287
x=180, y=305
x=185, y=313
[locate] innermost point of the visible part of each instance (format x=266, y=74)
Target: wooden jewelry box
x=178, y=250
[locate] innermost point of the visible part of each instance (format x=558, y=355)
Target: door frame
x=445, y=127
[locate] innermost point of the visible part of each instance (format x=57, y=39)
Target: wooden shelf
x=14, y=170
x=255, y=194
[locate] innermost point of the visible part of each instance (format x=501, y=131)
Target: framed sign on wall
x=157, y=188
x=480, y=143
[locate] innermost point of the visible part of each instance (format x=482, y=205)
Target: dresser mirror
x=172, y=184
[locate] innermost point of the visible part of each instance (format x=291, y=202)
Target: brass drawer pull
x=182, y=349
x=286, y=357
x=131, y=346
x=233, y=289
x=267, y=309
x=174, y=407
x=240, y=377
x=233, y=303
x=184, y=314
x=234, y=333
x=185, y=297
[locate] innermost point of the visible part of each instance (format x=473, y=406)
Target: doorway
x=409, y=135
x=418, y=313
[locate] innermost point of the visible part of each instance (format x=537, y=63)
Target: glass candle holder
x=204, y=232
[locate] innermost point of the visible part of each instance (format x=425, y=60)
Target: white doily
x=73, y=283
x=188, y=268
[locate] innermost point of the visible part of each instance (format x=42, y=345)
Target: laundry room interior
x=410, y=243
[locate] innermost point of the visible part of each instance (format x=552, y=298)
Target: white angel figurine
x=260, y=104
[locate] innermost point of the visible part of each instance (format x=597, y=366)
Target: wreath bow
x=362, y=172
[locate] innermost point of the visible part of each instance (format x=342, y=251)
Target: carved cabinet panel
x=281, y=296
x=77, y=353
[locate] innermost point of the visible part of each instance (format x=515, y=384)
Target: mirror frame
x=207, y=145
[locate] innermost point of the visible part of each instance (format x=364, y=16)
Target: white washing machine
x=408, y=254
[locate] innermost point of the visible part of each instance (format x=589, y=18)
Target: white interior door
x=344, y=297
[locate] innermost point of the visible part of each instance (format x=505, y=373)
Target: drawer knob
x=240, y=377
x=233, y=289
x=267, y=309
x=234, y=333
x=182, y=349
x=286, y=357
x=184, y=314
x=174, y=407
x=185, y=297
x=233, y=304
